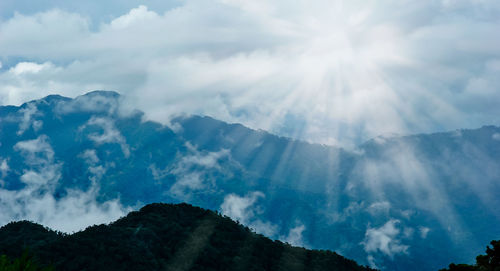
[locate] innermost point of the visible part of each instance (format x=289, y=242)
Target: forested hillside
x=165, y=237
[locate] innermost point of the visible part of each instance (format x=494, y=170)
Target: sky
x=331, y=72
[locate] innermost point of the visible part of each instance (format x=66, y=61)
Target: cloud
x=92, y=160
x=385, y=239
x=401, y=164
x=90, y=157
x=4, y=168
x=27, y=119
x=351, y=210
x=29, y=67
x=381, y=207
x=43, y=172
x=246, y=210
x=37, y=201
x=325, y=71
x=193, y=171
x=237, y=207
x=137, y=15
x=424, y=231
x=110, y=134
x=294, y=236
x=95, y=102
x=496, y=136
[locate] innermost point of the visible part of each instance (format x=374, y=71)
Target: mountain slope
x=68, y=163
x=165, y=237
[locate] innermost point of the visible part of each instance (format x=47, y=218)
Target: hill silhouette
x=165, y=237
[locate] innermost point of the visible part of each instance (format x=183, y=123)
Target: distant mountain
x=390, y=203
x=165, y=237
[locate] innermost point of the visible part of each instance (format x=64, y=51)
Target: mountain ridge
x=114, y=94
x=165, y=237
x=420, y=193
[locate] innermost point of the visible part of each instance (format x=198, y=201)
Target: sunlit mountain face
x=69, y=163
x=365, y=127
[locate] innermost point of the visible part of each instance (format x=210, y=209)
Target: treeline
x=488, y=262
x=165, y=237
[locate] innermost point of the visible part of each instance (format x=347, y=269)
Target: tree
x=23, y=263
x=488, y=262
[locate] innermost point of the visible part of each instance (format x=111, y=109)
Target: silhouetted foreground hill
x=165, y=237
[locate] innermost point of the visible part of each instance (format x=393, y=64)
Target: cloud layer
x=325, y=71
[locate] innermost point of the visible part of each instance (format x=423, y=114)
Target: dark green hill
x=165, y=237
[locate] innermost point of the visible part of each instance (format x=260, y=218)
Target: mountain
x=165, y=237
x=390, y=203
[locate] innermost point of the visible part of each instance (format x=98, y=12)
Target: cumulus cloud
x=385, y=239
x=37, y=201
x=246, y=210
x=325, y=71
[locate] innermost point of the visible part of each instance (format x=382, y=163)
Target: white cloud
x=381, y=207
x=354, y=208
x=385, y=239
x=294, y=236
x=320, y=70
x=136, y=15
x=192, y=172
x=424, y=231
x=29, y=67
x=189, y=183
x=4, y=167
x=401, y=164
x=94, y=102
x=90, y=157
x=238, y=207
x=209, y=160
x=246, y=210
x=75, y=211
x=496, y=136
x=371, y=262
x=110, y=134
x=36, y=151
x=37, y=201
x=92, y=160
x=4, y=170
x=27, y=119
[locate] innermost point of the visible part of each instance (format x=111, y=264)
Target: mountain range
x=390, y=203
